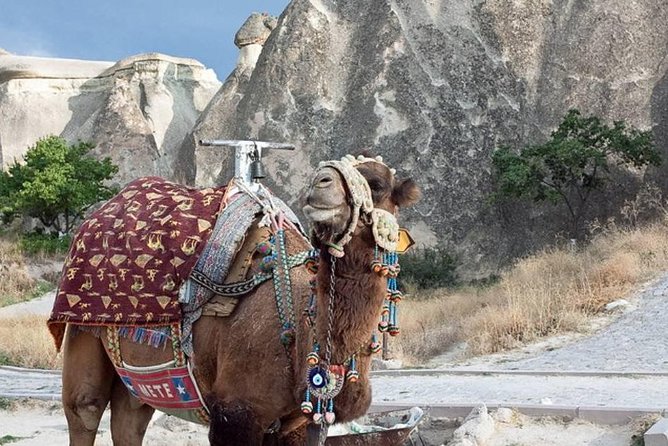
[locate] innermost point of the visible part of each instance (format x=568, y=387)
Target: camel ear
x=406, y=193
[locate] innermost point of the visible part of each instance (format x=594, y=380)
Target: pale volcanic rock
x=136, y=111
x=35, y=98
x=435, y=87
x=250, y=39
x=255, y=30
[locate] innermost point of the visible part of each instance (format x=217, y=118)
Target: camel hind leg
x=87, y=379
x=129, y=416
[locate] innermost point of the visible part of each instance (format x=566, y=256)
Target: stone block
x=613, y=415
x=657, y=435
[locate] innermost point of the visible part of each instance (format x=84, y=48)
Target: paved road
x=511, y=389
x=636, y=341
x=25, y=383
x=442, y=387
x=40, y=306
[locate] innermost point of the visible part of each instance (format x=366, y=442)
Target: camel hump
x=128, y=259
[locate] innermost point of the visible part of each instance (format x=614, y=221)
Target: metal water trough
x=385, y=428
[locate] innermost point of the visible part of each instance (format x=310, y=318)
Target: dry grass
x=15, y=283
x=554, y=291
x=26, y=342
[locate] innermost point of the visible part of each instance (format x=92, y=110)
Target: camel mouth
x=320, y=207
x=321, y=214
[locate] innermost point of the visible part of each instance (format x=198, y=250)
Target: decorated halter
x=324, y=381
x=384, y=224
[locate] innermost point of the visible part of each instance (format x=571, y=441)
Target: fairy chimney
x=251, y=37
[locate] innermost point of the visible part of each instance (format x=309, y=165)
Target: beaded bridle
x=384, y=224
x=325, y=380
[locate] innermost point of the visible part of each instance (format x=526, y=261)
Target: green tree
x=56, y=183
x=576, y=161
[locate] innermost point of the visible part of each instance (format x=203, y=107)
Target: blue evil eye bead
x=317, y=377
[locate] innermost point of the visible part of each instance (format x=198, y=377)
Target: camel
x=251, y=381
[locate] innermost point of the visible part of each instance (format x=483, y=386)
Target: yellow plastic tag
x=405, y=241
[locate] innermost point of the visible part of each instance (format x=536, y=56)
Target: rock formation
x=34, y=98
x=137, y=111
x=250, y=40
x=434, y=87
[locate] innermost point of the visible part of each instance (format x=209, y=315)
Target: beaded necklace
x=324, y=381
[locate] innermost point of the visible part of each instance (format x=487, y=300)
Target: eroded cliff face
x=434, y=86
x=137, y=111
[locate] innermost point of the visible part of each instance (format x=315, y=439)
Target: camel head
x=357, y=197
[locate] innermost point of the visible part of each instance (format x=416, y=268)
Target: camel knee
x=88, y=410
x=233, y=423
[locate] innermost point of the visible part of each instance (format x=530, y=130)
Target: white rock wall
x=137, y=110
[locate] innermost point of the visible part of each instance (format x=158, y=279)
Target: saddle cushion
x=128, y=260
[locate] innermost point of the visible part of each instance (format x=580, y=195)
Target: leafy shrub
x=428, y=268
x=36, y=243
x=56, y=184
x=576, y=161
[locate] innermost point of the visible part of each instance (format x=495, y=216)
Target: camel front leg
x=233, y=423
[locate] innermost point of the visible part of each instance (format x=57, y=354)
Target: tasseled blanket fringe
x=149, y=336
x=155, y=337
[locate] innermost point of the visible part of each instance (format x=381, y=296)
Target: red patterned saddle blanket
x=128, y=260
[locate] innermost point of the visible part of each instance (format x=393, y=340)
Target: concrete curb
x=598, y=415
x=459, y=372
x=41, y=397
x=657, y=435
x=557, y=373
x=24, y=370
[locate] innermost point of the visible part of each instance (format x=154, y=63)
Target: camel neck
x=356, y=296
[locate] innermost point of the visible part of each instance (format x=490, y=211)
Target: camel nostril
x=324, y=180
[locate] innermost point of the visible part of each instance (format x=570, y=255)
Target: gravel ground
x=636, y=340
x=510, y=390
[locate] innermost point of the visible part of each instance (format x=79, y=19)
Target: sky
x=113, y=30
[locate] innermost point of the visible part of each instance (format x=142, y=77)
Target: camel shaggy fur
x=245, y=374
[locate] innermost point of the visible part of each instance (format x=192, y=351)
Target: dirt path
x=39, y=423
x=637, y=340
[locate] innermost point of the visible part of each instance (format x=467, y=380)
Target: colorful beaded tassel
x=387, y=265
x=352, y=376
